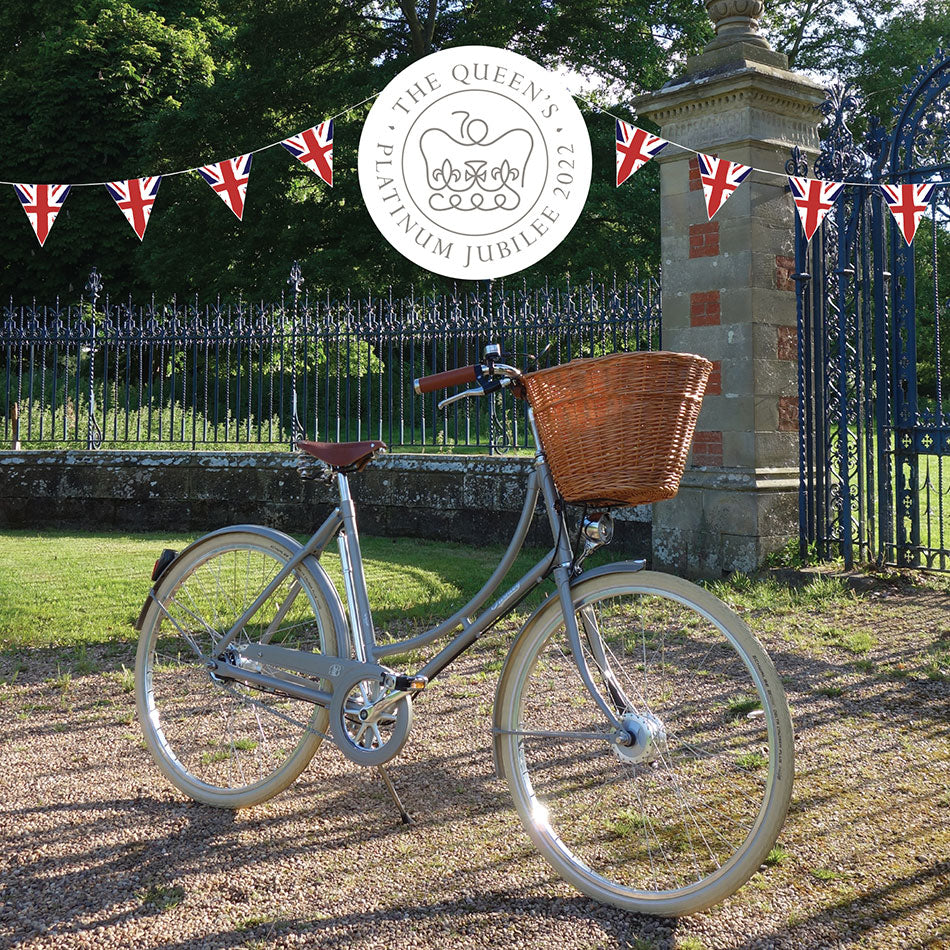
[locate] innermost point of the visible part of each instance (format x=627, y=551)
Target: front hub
x=645, y=739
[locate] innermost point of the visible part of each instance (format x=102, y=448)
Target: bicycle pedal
x=410, y=684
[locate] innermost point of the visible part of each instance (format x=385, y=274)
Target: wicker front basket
x=617, y=430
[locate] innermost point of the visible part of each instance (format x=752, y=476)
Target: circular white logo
x=474, y=162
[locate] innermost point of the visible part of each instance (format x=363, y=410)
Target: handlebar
x=485, y=374
x=451, y=377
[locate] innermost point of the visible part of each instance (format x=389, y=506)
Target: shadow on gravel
x=105, y=885
x=491, y=920
x=856, y=918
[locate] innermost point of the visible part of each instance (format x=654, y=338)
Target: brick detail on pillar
x=704, y=239
x=704, y=309
x=787, y=413
x=714, y=385
x=707, y=449
x=784, y=269
x=695, y=182
x=787, y=343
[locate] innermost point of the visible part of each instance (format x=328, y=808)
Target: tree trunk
x=421, y=32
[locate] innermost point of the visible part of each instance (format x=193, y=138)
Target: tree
x=77, y=96
x=823, y=35
x=122, y=88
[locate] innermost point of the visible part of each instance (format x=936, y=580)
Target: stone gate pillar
x=728, y=294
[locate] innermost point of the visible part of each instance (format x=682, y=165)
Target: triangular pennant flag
x=814, y=199
x=315, y=149
x=42, y=203
x=720, y=179
x=229, y=180
x=135, y=198
x=907, y=204
x=635, y=148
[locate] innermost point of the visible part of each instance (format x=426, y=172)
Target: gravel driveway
x=97, y=851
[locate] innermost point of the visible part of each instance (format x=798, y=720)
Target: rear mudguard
x=310, y=564
x=549, y=613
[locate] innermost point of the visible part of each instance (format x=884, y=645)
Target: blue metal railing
x=116, y=375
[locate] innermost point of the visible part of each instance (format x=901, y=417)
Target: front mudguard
x=310, y=564
x=548, y=613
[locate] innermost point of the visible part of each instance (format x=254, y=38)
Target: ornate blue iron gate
x=874, y=340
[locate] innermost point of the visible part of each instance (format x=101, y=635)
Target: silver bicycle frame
x=467, y=623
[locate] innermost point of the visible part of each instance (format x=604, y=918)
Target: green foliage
x=79, y=92
x=49, y=596
x=823, y=36
x=120, y=88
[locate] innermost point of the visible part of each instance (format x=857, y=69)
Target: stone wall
x=471, y=499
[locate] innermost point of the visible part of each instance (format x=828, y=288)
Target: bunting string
x=635, y=147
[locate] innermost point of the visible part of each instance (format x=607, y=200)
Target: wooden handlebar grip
x=451, y=377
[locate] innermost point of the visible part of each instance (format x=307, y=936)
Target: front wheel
x=685, y=815
x=218, y=741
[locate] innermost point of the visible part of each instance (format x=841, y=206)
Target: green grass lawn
x=67, y=588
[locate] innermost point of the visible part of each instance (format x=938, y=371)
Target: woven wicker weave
x=617, y=430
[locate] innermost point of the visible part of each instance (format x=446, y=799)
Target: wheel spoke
x=225, y=742
x=664, y=824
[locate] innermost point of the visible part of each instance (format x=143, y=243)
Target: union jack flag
x=42, y=203
x=907, y=204
x=720, y=179
x=135, y=198
x=315, y=149
x=814, y=199
x=229, y=180
x=634, y=149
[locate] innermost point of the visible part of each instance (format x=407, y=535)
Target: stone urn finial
x=736, y=21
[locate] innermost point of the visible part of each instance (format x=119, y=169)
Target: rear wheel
x=218, y=741
x=683, y=817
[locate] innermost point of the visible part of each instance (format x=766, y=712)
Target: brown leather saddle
x=343, y=456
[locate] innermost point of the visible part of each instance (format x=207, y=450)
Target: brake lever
x=463, y=395
x=493, y=386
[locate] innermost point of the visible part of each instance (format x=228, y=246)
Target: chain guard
x=349, y=733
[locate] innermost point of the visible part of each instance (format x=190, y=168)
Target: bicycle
x=641, y=728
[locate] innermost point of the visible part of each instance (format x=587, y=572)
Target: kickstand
x=403, y=814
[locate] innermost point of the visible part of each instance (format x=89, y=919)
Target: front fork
x=563, y=574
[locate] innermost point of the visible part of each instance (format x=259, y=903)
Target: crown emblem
x=473, y=173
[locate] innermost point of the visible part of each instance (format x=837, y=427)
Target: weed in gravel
x=823, y=592
x=739, y=706
x=254, y=921
x=62, y=681
x=628, y=822
x=124, y=677
x=824, y=874
x=159, y=898
x=83, y=664
x=937, y=664
x=690, y=943
x=858, y=642
x=750, y=761
x=777, y=856
x=742, y=592
x=863, y=666
x=832, y=692
x=896, y=671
